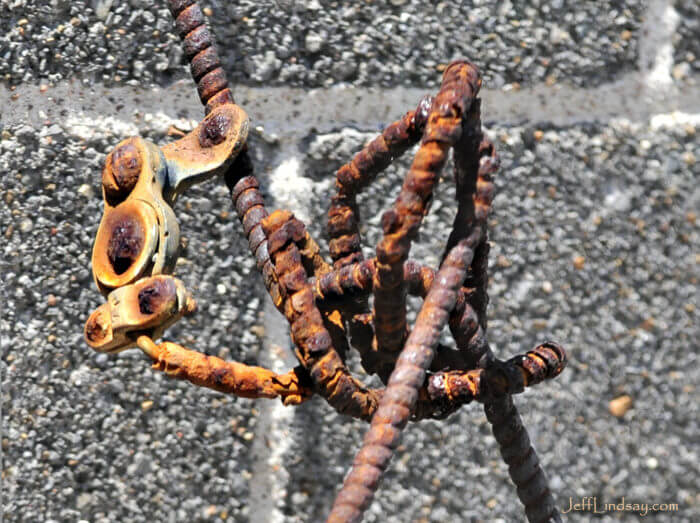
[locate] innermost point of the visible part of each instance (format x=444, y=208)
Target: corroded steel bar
x=467, y=332
x=357, y=279
x=353, y=310
x=456, y=388
x=250, y=208
x=332, y=314
x=477, y=279
x=198, y=45
x=213, y=90
x=224, y=376
x=343, y=215
x=350, y=281
x=468, y=320
x=523, y=465
x=466, y=166
x=461, y=82
x=401, y=394
x=314, y=344
x=354, y=176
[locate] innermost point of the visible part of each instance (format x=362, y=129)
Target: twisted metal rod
x=460, y=292
x=401, y=396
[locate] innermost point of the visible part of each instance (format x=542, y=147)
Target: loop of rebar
x=460, y=85
x=324, y=304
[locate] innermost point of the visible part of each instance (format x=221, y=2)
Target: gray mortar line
x=268, y=485
x=276, y=431
x=292, y=112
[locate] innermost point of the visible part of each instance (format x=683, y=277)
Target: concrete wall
x=595, y=109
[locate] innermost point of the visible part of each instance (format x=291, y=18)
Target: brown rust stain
x=214, y=130
x=158, y=293
x=126, y=241
x=122, y=170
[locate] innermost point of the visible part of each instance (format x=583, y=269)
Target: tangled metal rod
x=328, y=305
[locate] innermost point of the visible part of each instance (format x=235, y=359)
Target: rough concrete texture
x=687, y=39
x=595, y=243
x=314, y=43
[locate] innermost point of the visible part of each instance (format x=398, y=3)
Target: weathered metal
x=229, y=377
x=327, y=304
x=460, y=85
x=198, y=45
x=150, y=305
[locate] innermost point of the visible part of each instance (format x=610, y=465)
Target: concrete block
x=313, y=44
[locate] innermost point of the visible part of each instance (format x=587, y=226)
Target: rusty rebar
x=523, y=465
x=314, y=343
x=468, y=321
x=229, y=377
x=198, y=45
x=459, y=387
x=401, y=395
x=460, y=85
x=353, y=177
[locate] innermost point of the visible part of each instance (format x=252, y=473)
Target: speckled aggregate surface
x=687, y=39
x=316, y=43
x=595, y=243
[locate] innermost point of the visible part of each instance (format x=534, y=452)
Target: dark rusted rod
x=354, y=176
x=460, y=85
x=523, y=465
x=401, y=395
x=198, y=45
x=468, y=321
x=499, y=379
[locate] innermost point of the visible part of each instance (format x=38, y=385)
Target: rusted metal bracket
x=138, y=238
x=150, y=305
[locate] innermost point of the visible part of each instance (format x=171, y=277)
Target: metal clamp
x=139, y=236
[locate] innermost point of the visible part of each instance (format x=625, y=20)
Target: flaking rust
x=327, y=304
